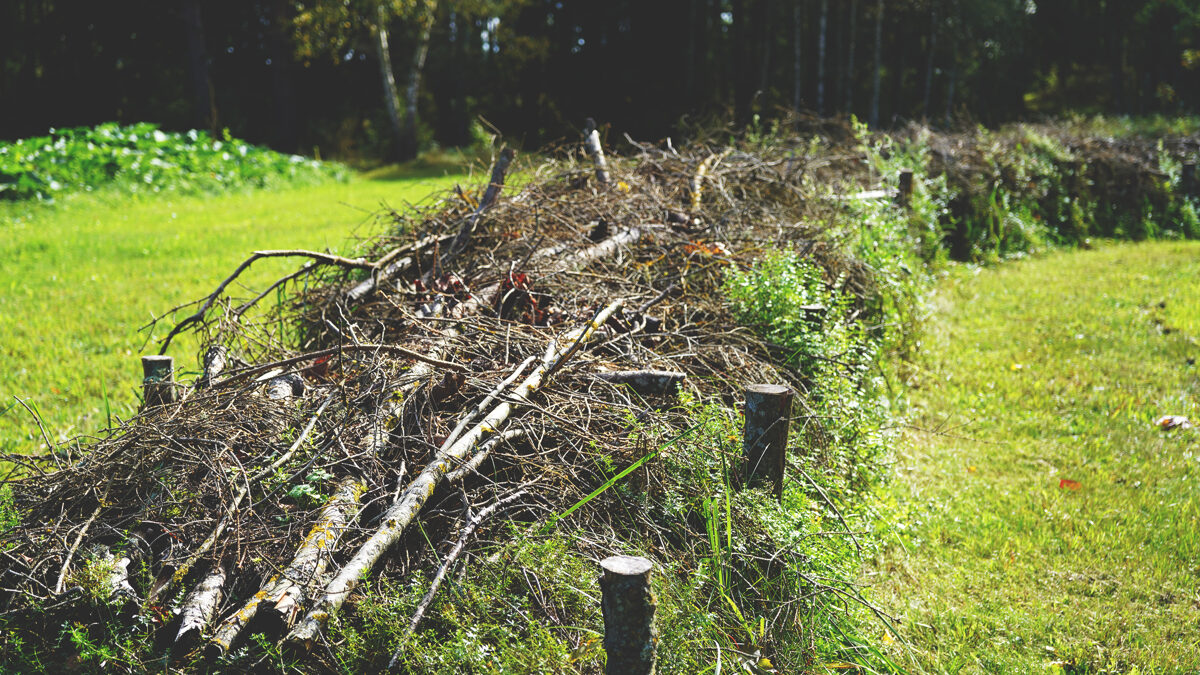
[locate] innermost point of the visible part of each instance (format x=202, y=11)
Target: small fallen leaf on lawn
x=1173, y=421
x=971, y=469
x=1069, y=484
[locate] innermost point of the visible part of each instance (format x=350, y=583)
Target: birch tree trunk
x=391, y=95
x=408, y=140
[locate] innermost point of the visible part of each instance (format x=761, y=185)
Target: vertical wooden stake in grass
x=158, y=380
x=768, y=412
x=904, y=196
x=1187, y=181
x=628, y=607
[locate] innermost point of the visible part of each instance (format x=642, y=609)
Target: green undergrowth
x=141, y=158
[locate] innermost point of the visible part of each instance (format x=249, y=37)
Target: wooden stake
x=904, y=196
x=628, y=607
x=768, y=412
x=591, y=140
x=158, y=380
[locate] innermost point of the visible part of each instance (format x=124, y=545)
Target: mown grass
x=1044, y=521
x=81, y=277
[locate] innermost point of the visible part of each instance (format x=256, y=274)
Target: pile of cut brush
x=482, y=352
x=488, y=356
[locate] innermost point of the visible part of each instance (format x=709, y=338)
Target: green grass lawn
x=1046, y=524
x=79, y=279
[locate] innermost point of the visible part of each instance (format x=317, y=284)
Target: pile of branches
x=476, y=359
x=482, y=351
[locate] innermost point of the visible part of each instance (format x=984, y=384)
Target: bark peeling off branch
x=404, y=511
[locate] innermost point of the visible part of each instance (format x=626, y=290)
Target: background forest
x=305, y=76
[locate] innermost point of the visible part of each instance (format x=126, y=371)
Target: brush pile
x=479, y=357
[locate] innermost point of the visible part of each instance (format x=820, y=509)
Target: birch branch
x=473, y=523
x=404, y=511
x=282, y=595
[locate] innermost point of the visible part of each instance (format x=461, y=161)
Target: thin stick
x=408, y=353
x=469, y=418
x=473, y=523
x=62, y=575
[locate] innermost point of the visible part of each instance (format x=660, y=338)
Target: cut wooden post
x=904, y=195
x=158, y=380
x=1188, y=180
x=591, y=140
x=628, y=607
x=768, y=412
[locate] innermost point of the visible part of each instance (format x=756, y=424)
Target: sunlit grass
x=81, y=277
x=1045, y=522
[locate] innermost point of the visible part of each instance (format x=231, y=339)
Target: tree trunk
x=852, y=39
x=822, y=26
x=408, y=140
x=204, y=106
x=286, y=133
x=391, y=96
x=874, y=117
x=933, y=32
x=797, y=56
x=741, y=93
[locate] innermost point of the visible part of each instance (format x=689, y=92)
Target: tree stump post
x=904, y=195
x=628, y=605
x=764, y=442
x=1188, y=180
x=158, y=380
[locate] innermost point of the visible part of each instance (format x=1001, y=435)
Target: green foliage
x=786, y=299
x=141, y=158
x=9, y=516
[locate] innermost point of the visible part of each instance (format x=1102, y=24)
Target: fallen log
x=198, y=609
x=645, y=382
x=282, y=595
x=405, y=509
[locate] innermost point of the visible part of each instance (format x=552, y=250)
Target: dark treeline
x=300, y=75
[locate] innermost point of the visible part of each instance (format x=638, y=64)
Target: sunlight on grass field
x=80, y=278
x=1046, y=524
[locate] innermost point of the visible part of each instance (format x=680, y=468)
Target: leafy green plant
x=141, y=158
